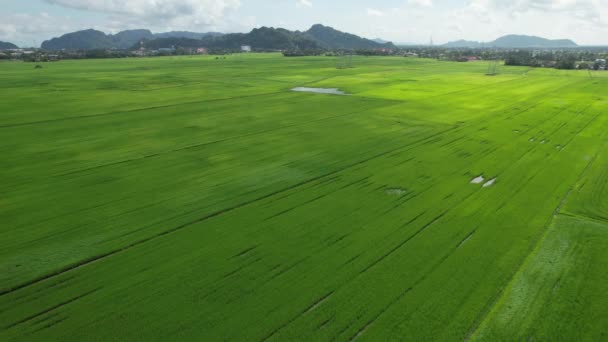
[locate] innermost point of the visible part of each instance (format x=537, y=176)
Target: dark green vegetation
x=514, y=41
x=93, y=39
x=264, y=38
x=318, y=37
x=7, y=45
x=175, y=198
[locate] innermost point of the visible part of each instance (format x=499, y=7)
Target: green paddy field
x=199, y=199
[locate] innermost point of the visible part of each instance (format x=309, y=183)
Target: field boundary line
x=52, y=308
x=584, y=218
x=77, y=117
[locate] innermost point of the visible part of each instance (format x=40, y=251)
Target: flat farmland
x=201, y=199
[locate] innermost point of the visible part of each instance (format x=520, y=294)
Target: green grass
x=194, y=198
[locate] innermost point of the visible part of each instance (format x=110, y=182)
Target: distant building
x=410, y=54
x=202, y=51
x=246, y=48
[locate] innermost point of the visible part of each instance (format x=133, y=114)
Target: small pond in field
x=331, y=91
x=395, y=191
x=489, y=183
x=477, y=180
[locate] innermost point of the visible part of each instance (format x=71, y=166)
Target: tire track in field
x=218, y=213
x=423, y=277
x=310, y=308
x=530, y=150
x=437, y=264
x=394, y=249
x=50, y=309
x=328, y=243
x=445, y=257
x=181, y=227
x=377, y=261
x=362, y=331
x=491, y=304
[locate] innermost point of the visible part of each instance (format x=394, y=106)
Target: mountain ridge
x=317, y=37
x=7, y=46
x=514, y=41
x=93, y=39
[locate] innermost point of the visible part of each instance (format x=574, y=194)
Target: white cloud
x=575, y=9
x=585, y=21
x=28, y=30
x=303, y=3
x=420, y=3
x=374, y=12
x=183, y=13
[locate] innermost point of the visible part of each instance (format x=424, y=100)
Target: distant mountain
x=265, y=38
x=86, y=39
x=186, y=34
x=93, y=39
x=269, y=38
x=334, y=39
x=515, y=41
x=126, y=39
x=7, y=46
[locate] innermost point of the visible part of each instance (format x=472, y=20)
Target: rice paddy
x=203, y=199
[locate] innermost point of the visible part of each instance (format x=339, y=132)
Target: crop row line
x=31, y=123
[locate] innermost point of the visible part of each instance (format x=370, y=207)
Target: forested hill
x=513, y=41
x=269, y=38
x=334, y=39
x=264, y=38
x=7, y=45
x=93, y=39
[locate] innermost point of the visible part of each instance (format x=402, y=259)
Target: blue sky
x=29, y=22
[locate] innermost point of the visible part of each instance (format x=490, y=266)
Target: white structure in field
x=246, y=48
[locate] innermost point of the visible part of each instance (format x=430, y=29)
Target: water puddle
x=331, y=91
x=490, y=183
x=395, y=191
x=477, y=180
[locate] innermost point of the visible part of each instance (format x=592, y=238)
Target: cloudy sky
x=29, y=22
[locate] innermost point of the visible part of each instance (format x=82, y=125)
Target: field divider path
x=90, y=116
